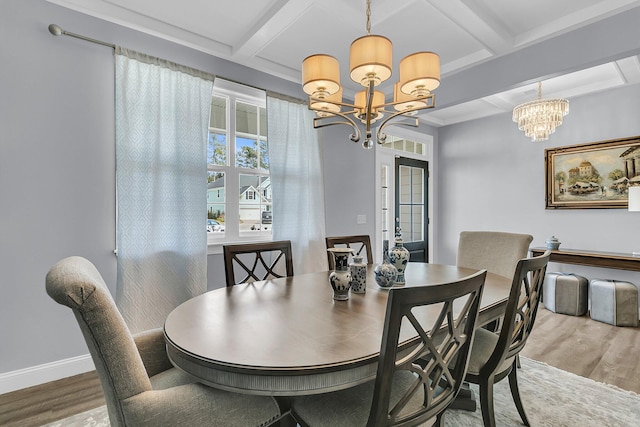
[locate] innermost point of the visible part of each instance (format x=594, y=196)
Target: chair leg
x=486, y=402
x=515, y=392
x=439, y=420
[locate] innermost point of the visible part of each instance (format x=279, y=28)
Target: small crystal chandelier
x=370, y=64
x=540, y=118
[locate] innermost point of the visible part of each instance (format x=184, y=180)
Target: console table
x=621, y=261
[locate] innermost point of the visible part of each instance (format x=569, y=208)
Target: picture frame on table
x=595, y=175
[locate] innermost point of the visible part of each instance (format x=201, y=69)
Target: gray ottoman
x=614, y=302
x=566, y=293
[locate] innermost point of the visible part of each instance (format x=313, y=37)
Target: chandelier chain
x=368, y=17
x=539, y=90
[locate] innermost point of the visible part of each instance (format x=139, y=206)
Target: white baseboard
x=40, y=374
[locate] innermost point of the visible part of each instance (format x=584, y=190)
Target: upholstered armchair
x=140, y=385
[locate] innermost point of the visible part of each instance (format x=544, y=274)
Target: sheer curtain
x=297, y=183
x=162, y=117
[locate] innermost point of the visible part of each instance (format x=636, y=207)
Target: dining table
x=288, y=336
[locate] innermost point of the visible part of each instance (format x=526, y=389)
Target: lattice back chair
x=494, y=354
x=497, y=252
x=417, y=379
x=361, y=245
x=257, y=261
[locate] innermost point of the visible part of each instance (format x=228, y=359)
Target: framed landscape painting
x=595, y=175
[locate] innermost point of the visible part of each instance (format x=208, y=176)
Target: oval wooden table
x=286, y=337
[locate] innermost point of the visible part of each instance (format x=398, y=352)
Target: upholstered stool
x=614, y=302
x=566, y=293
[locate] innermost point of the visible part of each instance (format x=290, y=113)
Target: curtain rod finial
x=55, y=29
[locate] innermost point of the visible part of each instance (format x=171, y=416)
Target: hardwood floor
x=587, y=348
x=580, y=345
x=35, y=406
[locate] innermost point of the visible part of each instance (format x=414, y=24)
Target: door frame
x=386, y=157
x=423, y=165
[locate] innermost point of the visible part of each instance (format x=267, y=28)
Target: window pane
x=416, y=185
x=263, y=121
x=217, y=149
x=255, y=203
x=246, y=118
x=246, y=153
x=405, y=222
x=216, y=202
x=405, y=184
x=409, y=147
x=264, y=154
x=418, y=224
x=218, y=118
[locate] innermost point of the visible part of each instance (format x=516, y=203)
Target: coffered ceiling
x=275, y=35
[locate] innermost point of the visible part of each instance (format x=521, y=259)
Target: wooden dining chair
x=257, y=261
x=415, y=382
x=361, y=245
x=494, y=354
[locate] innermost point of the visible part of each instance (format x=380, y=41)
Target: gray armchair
x=140, y=385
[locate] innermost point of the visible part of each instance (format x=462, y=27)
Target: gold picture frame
x=592, y=176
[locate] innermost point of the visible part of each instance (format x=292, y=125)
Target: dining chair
x=140, y=385
x=257, y=261
x=417, y=380
x=494, y=354
x=361, y=245
x=497, y=252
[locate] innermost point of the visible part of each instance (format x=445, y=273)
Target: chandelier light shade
x=328, y=106
x=320, y=75
x=370, y=65
x=361, y=102
x=370, y=59
x=420, y=73
x=540, y=118
x=406, y=103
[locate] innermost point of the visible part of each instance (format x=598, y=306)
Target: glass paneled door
x=411, y=206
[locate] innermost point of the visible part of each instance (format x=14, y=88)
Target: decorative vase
x=385, y=273
x=552, y=243
x=340, y=278
x=358, y=275
x=399, y=257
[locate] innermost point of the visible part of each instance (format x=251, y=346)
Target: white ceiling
x=275, y=35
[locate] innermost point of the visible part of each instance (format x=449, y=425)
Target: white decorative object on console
x=634, y=204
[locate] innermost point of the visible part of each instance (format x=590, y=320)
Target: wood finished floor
x=580, y=345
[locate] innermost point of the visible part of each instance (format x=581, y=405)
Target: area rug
x=552, y=398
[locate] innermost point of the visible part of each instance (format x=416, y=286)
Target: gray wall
x=493, y=178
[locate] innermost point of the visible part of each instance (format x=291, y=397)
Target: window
x=239, y=187
x=406, y=145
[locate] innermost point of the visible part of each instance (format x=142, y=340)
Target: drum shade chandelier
x=370, y=64
x=540, y=118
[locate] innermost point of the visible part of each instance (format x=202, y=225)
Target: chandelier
x=370, y=64
x=540, y=118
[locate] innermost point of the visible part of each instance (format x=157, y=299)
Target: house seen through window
x=238, y=187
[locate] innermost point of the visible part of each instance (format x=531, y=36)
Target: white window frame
x=235, y=92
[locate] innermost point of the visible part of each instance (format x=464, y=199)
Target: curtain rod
x=56, y=30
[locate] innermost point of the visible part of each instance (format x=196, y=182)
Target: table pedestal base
x=466, y=399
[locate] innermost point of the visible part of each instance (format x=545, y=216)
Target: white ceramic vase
x=340, y=277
